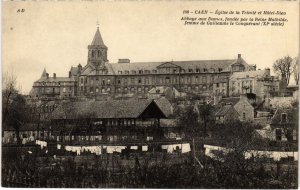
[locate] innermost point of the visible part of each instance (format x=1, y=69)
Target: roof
x=56, y=79
x=248, y=74
x=223, y=110
x=97, y=40
x=231, y=100
x=165, y=106
x=91, y=70
x=104, y=109
x=196, y=64
x=44, y=74
x=74, y=71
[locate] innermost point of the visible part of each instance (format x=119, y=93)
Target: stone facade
x=54, y=87
x=259, y=82
x=100, y=78
x=245, y=109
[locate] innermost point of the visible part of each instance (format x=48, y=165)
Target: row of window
x=140, y=89
x=54, y=83
x=169, y=70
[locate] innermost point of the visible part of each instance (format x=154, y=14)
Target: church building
x=100, y=78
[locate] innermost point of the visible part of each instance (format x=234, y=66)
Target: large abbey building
x=99, y=78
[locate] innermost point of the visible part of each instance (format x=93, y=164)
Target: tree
x=205, y=112
x=14, y=107
x=187, y=120
x=296, y=70
x=283, y=67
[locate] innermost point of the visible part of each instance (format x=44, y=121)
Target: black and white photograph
x=150, y=94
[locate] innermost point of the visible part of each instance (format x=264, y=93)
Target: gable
x=168, y=65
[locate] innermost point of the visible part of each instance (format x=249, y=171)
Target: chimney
x=79, y=68
x=54, y=75
x=124, y=61
x=70, y=74
x=47, y=75
x=268, y=71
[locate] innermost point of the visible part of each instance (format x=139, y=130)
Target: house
x=242, y=105
x=135, y=120
x=226, y=113
x=285, y=124
x=259, y=82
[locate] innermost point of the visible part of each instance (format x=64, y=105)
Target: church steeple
x=97, y=55
x=97, y=41
x=44, y=74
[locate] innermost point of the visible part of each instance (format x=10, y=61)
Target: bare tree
x=283, y=67
x=296, y=70
x=9, y=90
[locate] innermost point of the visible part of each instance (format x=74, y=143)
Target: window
x=283, y=117
x=217, y=84
x=204, y=70
x=133, y=72
x=220, y=69
x=139, y=89
x=97, y=78
x=278, y=134
x=204, y=80
x=154, y=71
x=197, y=70
x=103, y=82
x=140, y=71
x=244, y=116
x=108, y=81
x=190, y=70
x=167, y=79
x=127, y=72
x=108, y=89
x=132, y=81
x=81, y=80
x=97, y=89
x=119, y=72
x=139, y=81
x=64, y=89
x=91, y=89
x=119, y=81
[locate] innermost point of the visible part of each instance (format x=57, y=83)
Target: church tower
x=97, y=51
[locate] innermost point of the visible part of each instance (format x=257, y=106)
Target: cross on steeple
x=97, y=23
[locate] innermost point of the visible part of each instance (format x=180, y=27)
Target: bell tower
x=97, y=51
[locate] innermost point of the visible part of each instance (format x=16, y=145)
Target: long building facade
x=99, y=78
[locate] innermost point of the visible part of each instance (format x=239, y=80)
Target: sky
x=55, y=35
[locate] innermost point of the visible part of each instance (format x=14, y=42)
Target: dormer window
x=120, y=72
x=190, y=70
x=197, y=70
x=140, y=71
x=220, y=69
x=133, y=72
x=283, y=117
x=127, y=72
x=205, y=70
x=154, y=71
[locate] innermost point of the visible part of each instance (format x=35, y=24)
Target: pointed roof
x=44, y=74
x=97, y=41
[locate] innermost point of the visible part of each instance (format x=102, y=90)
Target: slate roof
x=56, y=79
x=197, y=64
x=74, y=71
x=231, y=100
x=250, y=74
x=97, y=40
x=223, y=110
x=165, y=106
x=102, y=109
